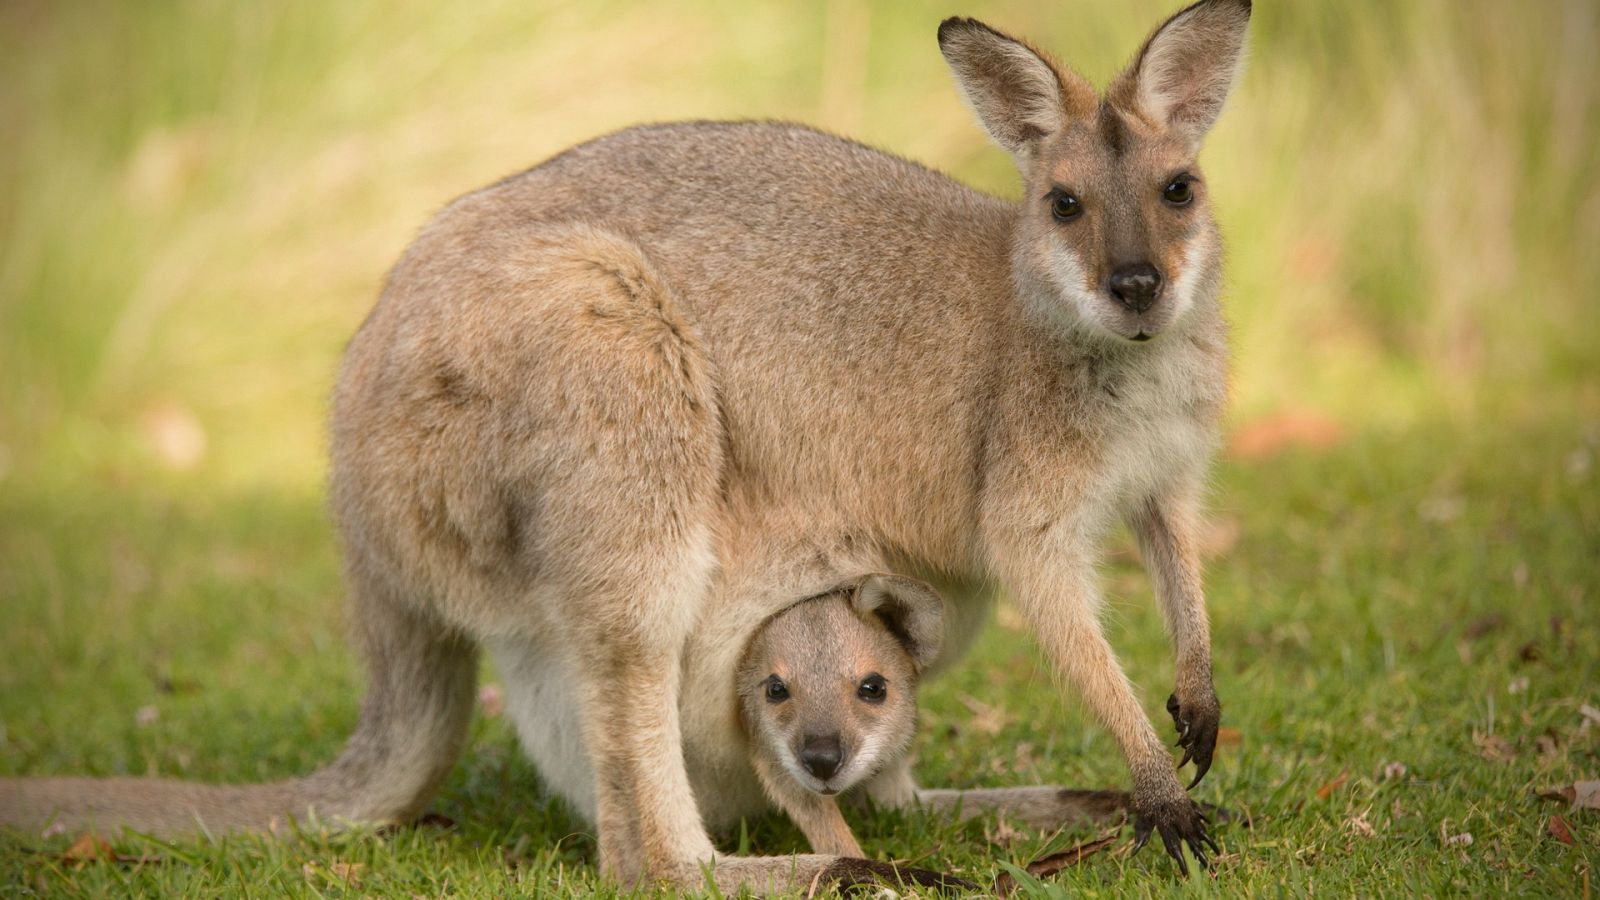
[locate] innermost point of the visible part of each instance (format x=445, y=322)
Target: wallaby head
x=1116, y=237
x=827, y=688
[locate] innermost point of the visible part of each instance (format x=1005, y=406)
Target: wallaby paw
x=1180, y=821
x=1197, y=722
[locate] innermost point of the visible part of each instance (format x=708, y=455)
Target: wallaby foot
x=1180, y=821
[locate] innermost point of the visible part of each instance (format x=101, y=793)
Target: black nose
x=1136, y=286
x=820, y=756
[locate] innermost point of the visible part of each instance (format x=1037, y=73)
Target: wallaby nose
x=1136, y=286
x=821, y=755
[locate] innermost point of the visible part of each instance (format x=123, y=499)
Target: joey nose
x=1136, y=286
x=821, y=756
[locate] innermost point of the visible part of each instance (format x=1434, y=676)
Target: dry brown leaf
x=1229, y=737
x=350, y=873
x=1327, y=790
x=1560, y=831
x=1284, y=430
x=1002, y=835
x=89, y=847
x=1493, y=747
x=1359, y=825
x=1562, y=793
x=1048, y=865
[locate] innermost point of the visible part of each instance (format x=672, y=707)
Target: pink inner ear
x=1186, y=69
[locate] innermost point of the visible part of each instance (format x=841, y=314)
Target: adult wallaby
x=600, y=399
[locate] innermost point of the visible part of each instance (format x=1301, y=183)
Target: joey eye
x=873, y=689
x=1178, y=193
x=1065, y=207
x=777, y=691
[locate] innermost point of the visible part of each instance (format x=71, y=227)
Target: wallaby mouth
x=1141, y=337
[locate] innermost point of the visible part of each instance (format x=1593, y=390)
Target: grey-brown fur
x=600, y=400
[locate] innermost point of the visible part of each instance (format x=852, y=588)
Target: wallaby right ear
x=1019, y=96
x=1186, y=68
x=912, y=611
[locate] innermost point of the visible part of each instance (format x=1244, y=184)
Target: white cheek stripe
x=1069, y=274
x=1187, y=282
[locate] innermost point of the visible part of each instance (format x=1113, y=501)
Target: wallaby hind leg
x=413, y=720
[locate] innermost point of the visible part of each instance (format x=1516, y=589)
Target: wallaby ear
x=912, y=611
x=1182, y=75
x=1019, y=96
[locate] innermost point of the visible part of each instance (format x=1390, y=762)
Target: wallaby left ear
x=1182, y=76
x=912, y=611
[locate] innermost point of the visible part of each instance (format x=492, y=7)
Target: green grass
x=198, y=201
x=1421, y=597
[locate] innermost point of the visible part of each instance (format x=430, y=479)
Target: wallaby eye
x=1064, y=206
x=1178, y=193
x=777, y=691
x=873, y=689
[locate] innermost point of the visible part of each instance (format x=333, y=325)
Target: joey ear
x=1182, y=75
x=1019, y=96
x=912, y=611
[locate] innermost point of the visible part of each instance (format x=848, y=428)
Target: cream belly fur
x=541, y=699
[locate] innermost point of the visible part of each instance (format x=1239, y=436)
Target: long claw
x=1169, y=837
x=1201, y=767
x=1141, y=836
x=1211, y=842
x=1199, y=851
x=1188, y=753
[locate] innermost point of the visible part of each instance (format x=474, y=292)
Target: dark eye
x=1065, y=207
x=1178, y=193
x=777, y=691
x=873, y=689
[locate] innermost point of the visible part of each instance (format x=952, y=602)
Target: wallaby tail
x=413, y=721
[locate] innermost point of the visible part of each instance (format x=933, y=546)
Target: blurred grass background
x=199, y=200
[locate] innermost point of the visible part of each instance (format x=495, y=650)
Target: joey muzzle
x=821, y=755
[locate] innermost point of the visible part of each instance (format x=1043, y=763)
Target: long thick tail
x=412, y=724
